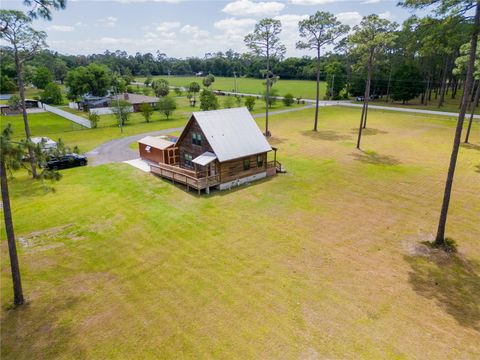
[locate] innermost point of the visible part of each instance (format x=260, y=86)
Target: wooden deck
x=187, y=177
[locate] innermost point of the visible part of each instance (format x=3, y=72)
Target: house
x=95, y=102
x=6, y=109
x=219, y=149
x=157, y=150
x=135, y=99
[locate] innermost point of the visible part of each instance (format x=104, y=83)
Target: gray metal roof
x=156, y=142
x=232, y=133
x=204, y=159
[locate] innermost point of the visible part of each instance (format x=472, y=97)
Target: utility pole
x=235, y=81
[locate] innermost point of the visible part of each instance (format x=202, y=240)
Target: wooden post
x=173, y=177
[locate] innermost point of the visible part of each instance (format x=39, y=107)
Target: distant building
x=95, y=102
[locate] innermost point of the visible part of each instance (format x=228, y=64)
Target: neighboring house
x=135, y=99
x=95, y=102
x=222, y=149
x=157, y=150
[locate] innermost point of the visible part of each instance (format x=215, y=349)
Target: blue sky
x=187, y=28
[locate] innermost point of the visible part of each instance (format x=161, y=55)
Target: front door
x=212, y=169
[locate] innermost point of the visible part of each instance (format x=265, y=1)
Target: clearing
x=325, y=261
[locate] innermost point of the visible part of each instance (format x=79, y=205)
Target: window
x=148, y=148
x=259, y=161
x=196, y=139
x=246, y=164
x=188, y=160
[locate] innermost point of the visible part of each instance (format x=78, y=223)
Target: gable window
x=188, y=160
x=246, y=164
x=196, y=139
x=259, y=161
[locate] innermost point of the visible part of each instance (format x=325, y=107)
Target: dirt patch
x=49, y=238
x=369, y=131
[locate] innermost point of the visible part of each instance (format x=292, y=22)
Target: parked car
x=67, y=161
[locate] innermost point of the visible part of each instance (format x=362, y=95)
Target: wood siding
x=233, y=169
x=155, y=155
x=186, y=145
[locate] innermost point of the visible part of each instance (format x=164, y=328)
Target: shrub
x=94, y=119
x=288, y=99
x=228, y=102
x=250, y=103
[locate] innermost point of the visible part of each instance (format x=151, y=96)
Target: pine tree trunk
x=444, y=84
x=12, y=248
x=21, y=88
x=440, y=238
x=365, y=100
x=267, y=132
x=318, y=90
x=473, y=107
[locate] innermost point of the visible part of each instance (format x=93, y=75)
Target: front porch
x=197, y=180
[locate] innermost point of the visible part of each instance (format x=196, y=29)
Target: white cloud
x=351, y=18
x=194, y=32
x=109, y=21
x=61, y=28
x=313, y=2
x=371, y=2
x=386, y=15
x=250, y=8
x=234, y=25
x=166, y=26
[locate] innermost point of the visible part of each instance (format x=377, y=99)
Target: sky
x=183, y=29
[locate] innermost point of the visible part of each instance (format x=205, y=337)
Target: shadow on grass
x=470, y=146
x=39, y=329
x=478, y=168
x=452, y=281
x=328, y=135
x=371, y=157
x=369, y=131
x=276, y=140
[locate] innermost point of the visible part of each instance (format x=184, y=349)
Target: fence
x=76, y=119
x=105, y=111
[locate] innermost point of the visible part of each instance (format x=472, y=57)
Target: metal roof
x=156, y=142
x=232, y=133
x=204, y=159
x=135, y=98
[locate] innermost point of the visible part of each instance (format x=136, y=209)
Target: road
x=119, y=150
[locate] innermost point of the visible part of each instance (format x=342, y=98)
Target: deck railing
x=187, y=177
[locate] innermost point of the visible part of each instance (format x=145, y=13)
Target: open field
x=325, y=261
x=303, y=88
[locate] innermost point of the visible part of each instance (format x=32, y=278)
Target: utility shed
x=157, y=150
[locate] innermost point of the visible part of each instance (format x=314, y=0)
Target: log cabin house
x=218, y=149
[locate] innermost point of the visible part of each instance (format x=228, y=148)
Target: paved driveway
x=119, y=150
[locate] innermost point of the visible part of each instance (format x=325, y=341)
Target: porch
x=197, y=180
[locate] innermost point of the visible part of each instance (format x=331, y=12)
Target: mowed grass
x=304, y=88
x=325, y=261
x=57, y=127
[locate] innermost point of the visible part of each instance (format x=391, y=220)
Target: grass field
x=54, y=126
x=325, y=261
x=304, y=88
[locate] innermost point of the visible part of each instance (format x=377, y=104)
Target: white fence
x=69, y=116
x=105, y=111
x=73, y=105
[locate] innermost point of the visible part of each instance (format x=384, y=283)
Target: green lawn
x=55, y=127
x=325, y=261
x=304, y=88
